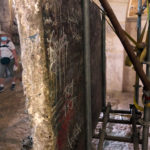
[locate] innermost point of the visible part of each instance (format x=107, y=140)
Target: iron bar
x=103, y=131
x=145, y=129
x=138, y=37
x=96, y=136
x=147, y=109
x=117, y=121
x=103, y=59
x=120, y=111
x=133, y=120
x=139, y=19
x=120, y=139
x=134, y=129
x=117, y=138
x=87, y=69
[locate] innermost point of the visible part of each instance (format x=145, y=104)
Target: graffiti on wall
x=76, y=131
x=68, y=113
x=61, y=31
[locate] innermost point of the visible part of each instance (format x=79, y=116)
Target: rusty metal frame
x=103, y=136
x=103, y=131
x=146, y=108
x=135, y=139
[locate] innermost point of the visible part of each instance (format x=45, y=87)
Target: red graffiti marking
x=65, y=122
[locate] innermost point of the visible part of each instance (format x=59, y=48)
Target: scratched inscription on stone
x=63, y=44
x=76, y=131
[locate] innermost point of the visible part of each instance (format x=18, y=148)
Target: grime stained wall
x=51, y=34
x=35, y=73
x=114, y=48
x=63, y=26
x=4, y=15
x=8, y=23
x=63, y=41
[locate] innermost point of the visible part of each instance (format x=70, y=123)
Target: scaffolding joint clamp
x=144, y=123
x=146, y=62
x=139, y=13
x=146, y=96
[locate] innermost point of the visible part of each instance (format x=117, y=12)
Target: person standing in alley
x=8, y=59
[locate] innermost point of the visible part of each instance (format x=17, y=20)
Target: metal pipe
x=145, y=129
x=134, y=129
x=147, y=109
x=117, y=121
x=117, y=138
x=103, y=58
x=139, y=19
x=120, y=139
x=120, y=111
x=103, y=131
x=87, y=69
x=138, y=37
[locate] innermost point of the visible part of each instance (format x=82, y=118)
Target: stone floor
x=15, y=126
x=14, y=121
x=118, y=101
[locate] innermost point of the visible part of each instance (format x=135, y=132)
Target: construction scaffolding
x=136, y=116
x=134, y=121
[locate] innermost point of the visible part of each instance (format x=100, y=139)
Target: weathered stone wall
x=5, y=15
x=35, y=73
x=96, y=63
x=114, y=48
x=51, y=34
x=63, y=30
x=8, y=22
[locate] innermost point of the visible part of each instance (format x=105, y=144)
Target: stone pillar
x=35, y=73
x=114, y=48
x=51, y=34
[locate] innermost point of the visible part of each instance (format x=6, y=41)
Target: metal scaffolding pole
x=147, y=109
x=103, y=58
x=117, y=121
x=103, y=131
x=134, y=120
x=134, y=129
x=120, y=111
x=87, y=71
x=139, y=19
x=138, y=37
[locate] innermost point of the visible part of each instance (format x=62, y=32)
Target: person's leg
x=10, y=68
x=2, y=79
